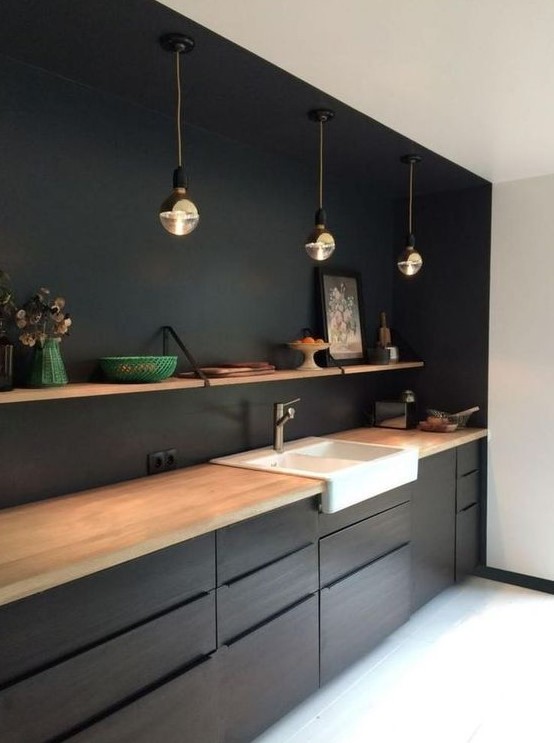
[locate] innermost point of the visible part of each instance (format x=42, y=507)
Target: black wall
x=445, y=311
x=83, y=173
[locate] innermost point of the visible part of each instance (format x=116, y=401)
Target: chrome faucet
x=281, y=414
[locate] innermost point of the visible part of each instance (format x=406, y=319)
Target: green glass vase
x=47, y=368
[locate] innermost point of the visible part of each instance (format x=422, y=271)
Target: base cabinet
x=184, y=710
x=467, y=541
x=433, y=527
x=468, y=508
x=267, y=672
x=359, y=611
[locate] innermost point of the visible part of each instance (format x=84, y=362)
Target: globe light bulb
x=178, y=214
x=409, y=261
x=320, y=244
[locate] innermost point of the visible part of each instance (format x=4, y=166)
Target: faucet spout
x=282, y=413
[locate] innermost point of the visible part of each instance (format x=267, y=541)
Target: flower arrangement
x=41, y=318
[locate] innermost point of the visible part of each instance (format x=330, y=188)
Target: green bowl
x=138, y=368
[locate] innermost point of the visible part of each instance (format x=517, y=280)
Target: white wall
x=520, y=531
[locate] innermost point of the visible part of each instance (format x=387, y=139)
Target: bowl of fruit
x=309, y=345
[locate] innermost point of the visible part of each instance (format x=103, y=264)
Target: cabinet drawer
x=184, y=710
x=42, y=629
x=269, y=671
x=467, y=458
x=467, y=490
x=330, y=522
x=467, y=541
x=71, y=693
x=345, y=551
x=248, y=545
x=360, y=611
x=246, y=602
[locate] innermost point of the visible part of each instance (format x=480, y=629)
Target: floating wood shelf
x=97, y=389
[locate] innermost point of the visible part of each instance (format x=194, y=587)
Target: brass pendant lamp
x=320, y=243
x=178, y=214
x=410, y=260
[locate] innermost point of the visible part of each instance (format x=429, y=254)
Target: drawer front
x=249, y=601
x=467, y=491
x=330, y=522
x=44, y=628
x=467, y=541
x=71, y=693
x=358, y=612
x=184, y=710
x=251, y=544
x=347, y=550
x=269, y=671
x=467, y=458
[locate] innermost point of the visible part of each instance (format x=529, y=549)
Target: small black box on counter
x=395, y=414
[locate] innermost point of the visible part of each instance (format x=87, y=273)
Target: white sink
x=352, y=472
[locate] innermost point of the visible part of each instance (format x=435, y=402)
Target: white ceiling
x=472, y=80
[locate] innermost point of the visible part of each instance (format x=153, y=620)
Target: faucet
x=281, y=414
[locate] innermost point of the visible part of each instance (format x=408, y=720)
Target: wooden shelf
x=96, y=389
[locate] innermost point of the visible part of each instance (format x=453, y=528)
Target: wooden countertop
x=48, y=543
x=427, y=443
x=45, y=544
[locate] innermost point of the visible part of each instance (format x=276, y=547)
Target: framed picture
x=342, y=315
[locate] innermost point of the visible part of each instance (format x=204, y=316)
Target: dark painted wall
x=445, y=311
x=81, y=180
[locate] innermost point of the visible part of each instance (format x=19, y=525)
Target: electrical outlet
x=162, y=461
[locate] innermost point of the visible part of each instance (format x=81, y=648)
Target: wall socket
x=162, y=461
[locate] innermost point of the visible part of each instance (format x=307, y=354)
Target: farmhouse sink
x=352, y=471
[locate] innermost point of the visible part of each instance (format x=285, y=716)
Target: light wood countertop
x=427, y=443
x=51, y=542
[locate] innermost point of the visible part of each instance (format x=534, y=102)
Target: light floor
x=476, y=664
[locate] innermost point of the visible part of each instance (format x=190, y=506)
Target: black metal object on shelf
x=168, y=331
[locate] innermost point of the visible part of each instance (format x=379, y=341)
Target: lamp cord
x=321, y=164
x=178, y=112
x=411, y=198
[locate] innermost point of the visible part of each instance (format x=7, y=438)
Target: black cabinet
x=468, y=508
x=433, y=527
x=357, y=545
x=268, y=671
x=267, y=617
x=364, y=577
x=50, y=626
x=248, y=601
x=184, y=710
x=359, y=611
x=467, y=541
x=88, y=684
x=248, y=545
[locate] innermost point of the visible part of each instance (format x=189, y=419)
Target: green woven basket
x=138, y=368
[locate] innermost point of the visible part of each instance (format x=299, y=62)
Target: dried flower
x=42, y=318
x=7, y=306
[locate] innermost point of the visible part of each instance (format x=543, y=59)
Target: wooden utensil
x=384, y=332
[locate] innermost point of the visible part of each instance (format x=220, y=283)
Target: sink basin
x=352, y=471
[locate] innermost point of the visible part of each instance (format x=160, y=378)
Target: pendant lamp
x=410, y=260
x=320, y=244
x=178, y=215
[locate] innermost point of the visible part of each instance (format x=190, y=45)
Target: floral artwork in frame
x=342, y=315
